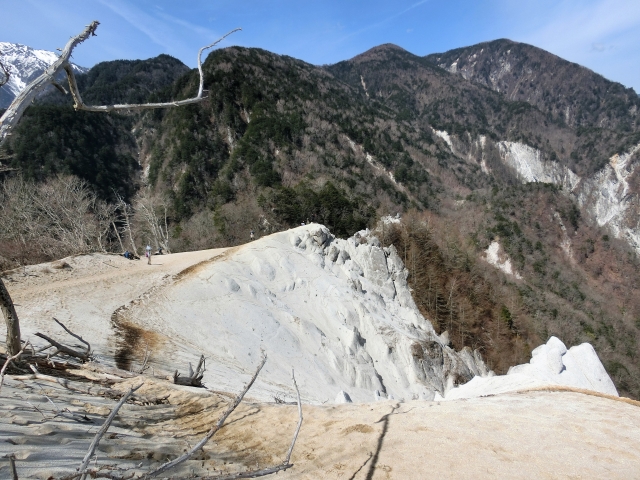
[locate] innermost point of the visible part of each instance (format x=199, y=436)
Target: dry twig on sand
x=60, y=348
x=8, y=362
x=115, y=472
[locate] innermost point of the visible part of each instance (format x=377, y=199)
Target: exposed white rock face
x=565, y=245
x=339, y=311
x=500, y=260
x=608, y=198
x=551, y=364
x=444, y=136
x=25, y=64
x=374, y=163
x=530, y=166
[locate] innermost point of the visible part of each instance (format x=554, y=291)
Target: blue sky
x=603, y=35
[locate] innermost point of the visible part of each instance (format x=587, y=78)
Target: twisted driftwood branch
x=11, y=318
x=80, y=105
x=24, y=99
x=15, y=111
x=277, y=468
x=88, y=353
x=63, y=348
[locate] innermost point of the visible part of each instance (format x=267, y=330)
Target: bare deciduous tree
x=147, y=208
x=126, y=217
x=54, y=219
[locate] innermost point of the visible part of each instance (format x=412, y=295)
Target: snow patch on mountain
x=25, y=65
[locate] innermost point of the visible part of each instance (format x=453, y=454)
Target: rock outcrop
x=551, y=364
x=339, y=311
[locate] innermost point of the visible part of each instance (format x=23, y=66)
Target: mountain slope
x=564, y=90
x=53, y=139
x=124, y=81
x=604, y=115
x=516, y=225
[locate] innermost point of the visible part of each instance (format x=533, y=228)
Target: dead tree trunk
x=13, y=114
x=11, y=319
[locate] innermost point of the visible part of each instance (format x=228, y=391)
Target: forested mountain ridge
x=53, y=139
x=485, y=179
x=603, y=114
x=567, y=91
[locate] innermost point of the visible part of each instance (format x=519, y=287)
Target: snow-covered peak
x=25, y=65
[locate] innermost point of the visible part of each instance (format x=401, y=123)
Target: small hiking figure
x=127, y=255
x=159, y=250
x=148, y=254
x=251, y=234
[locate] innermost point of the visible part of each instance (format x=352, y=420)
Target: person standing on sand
x=251, y=234
x=148, y=254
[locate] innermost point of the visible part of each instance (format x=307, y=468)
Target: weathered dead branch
x=12, y=465
x=276, y=468
x=88, y=352
x=60, y=348
x=102, y=431
x=168, y=465
x=15, y=111
x=80, y=105
x=115, y=472
x=63, y=348
x=195, y=378
x=269, y=470
x=11, y=319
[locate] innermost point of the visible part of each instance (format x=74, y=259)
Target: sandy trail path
x=85, y=290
